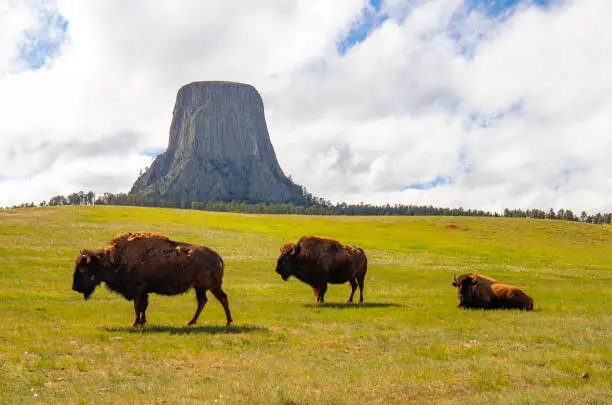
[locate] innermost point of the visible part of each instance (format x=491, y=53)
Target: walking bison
x=318, y=261
x=136, y=264
x=476, y=291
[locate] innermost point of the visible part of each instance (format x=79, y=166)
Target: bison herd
x=136, y=264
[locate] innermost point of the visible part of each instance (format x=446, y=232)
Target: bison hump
x=313, y=247
x=132, y=236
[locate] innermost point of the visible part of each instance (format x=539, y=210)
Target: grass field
x=407, y=343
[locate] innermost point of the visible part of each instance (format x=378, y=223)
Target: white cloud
x=15, y=18
x=399, y=108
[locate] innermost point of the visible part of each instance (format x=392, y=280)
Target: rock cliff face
x=219, y=150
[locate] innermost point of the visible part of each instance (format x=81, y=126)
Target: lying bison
x=475, y=291
x=317, y=261
x=138, y=263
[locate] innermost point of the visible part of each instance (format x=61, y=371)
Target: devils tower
x=219, y=150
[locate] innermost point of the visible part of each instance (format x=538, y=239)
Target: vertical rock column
x=219, y=150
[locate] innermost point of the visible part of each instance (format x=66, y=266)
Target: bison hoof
x=191, y=323
x=228, y=324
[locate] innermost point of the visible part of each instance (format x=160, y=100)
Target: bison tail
x=217, y=274
x=362, y=263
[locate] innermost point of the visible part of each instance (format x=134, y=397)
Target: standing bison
x=317, y=261
x=138, y=263
x=475, y=291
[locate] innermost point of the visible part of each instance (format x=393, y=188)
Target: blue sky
x=496, y=8
x=38, y=48
x=374, y=16
x=44, y=41
x=371, y=18
x=507, y=125
x=438, y=181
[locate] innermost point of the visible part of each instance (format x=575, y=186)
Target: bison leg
x=137, y=311
x=316, y=293
x=222, y=297
x=201, y=297
x=140, y=306
x=143, y=309
x=322, y=290
x=360, y=280
x=353, y=289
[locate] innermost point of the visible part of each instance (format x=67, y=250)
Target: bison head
x=85, y=278
x=284, y=264
x=464, y=285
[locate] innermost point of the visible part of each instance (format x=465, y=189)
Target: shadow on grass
x=189, y=330
x=502, y=310
x=343, y=305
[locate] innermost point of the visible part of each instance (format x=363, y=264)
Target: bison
x=138, y=263
x=476, y=291
x=318, y=261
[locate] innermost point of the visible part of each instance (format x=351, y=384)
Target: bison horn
x=455, y=277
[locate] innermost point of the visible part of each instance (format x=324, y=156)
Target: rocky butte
x=219, y=150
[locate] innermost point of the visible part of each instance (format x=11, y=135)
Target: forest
x=311, y=205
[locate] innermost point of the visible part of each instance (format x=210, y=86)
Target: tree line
x=311, y=205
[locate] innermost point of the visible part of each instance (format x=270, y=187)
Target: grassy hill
x=408, y=342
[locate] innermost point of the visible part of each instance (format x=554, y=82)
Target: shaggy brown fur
x=286, y=248
x=476, y=291
x=315, y=247
x=138, y=263
x=131, y=236
x=510, y=296
x=318, y=261
x=116, y=248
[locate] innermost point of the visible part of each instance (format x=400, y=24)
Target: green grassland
x=407, y=343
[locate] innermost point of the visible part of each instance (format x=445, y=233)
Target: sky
x=475, y=103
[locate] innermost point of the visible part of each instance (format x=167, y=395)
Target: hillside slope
x=408, y=342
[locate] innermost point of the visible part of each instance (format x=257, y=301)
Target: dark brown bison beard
x=466, y=295
x=282, y=268
x=87, y=293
